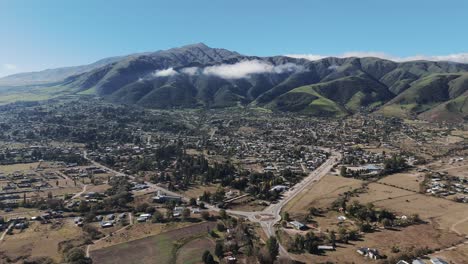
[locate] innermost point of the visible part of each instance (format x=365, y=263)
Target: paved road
x=271, y=214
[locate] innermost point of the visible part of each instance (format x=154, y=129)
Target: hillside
x=200, y=76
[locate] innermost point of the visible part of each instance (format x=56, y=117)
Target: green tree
x=219, y=249
x=343, y=170
x=272, y=247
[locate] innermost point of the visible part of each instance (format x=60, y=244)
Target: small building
x=438, y=261
x=279, y=188
x=162, y=198
x=298, y=225
x=371, y=253
x=418, y=261
x=324, y=247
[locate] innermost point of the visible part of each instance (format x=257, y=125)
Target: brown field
x=444, y=213
x=322, y=194
x=136, y=231
x=196, y=191
x=40, y=240
x=191, y=252
x=247, y=204
x=417, y=236
x=410, y=180
x=457, y=255
x=147, y=250
x=6, y=169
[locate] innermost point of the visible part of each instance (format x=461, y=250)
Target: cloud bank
x=244, y=69
x=165, y=72
x=458, y=57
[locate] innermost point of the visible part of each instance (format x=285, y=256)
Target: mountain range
x=200, y=76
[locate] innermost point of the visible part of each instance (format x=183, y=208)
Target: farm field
x=409, y=180
x=136, y=231
x=321, y=194
x=146, y=250
x=418, y=236
x=6, y=169
x=456, y=255
x=40, y=240
x=444, y=213
x=195, y=192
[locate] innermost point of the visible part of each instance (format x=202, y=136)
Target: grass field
x=40, y=240
x=149, y=249
x=190, y=252
x=446, y=214
x=322, y=194
x=410, y=180
x=6, y=169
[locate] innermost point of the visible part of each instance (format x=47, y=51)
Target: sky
x=41, y=34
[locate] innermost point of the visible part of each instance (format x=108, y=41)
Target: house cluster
x=420, y=261
x=371, y=253
x=440, y=184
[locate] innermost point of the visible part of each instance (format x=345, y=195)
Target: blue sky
x=39, y=34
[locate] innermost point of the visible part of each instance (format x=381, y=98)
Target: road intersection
x=268, y=217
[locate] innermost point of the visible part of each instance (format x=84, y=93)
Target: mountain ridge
x=199, y=76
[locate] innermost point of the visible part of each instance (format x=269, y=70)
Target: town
x=240, y=185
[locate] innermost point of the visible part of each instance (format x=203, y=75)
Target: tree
x=272, y=247
x=205, y=215
x=285, y=216
x=343, y=170
x=219, y=249
x=193, y=202
x=185, y=213
x=157, y=217
x=77, y=256
x=207, y=258
x=223, y=214
x=333, y=238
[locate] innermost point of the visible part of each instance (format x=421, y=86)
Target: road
x=271, y=215
x=77, y=195
x=6, y=231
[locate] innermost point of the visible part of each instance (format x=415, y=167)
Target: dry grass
x=6, y=169
x=40, y=240
x=196, y=191
x=444, y=213
x=419, y=236
x=151, y=249
x=137, y=231
x=321, y=194
x=410, y=180
x=456, y=255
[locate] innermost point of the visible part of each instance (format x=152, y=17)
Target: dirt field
x=137, y=231
x=147, y=250
x=410, y=180
x=457, y=255
x=444, y=213
x=191, y=252
x=6, y=169
x=40, y=240
x=418, y=236
x=195, y=192
x=322, y=194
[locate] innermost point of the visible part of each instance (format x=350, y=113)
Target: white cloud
x=244, y=69
x=458, y=57
x=190, y=70
x=165, y=72
x=10, y=67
